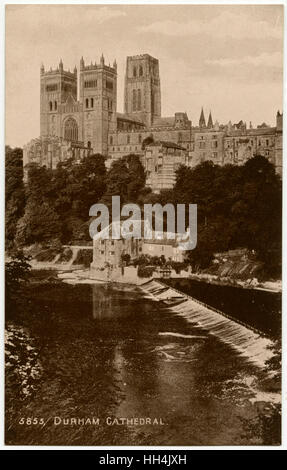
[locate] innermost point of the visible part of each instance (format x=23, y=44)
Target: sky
x=226, y=58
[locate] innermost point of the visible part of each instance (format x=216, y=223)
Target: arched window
x=134, y=100
x=55, y=105
x=87, y=102
x=128, y=139
x=134, y=71
x=92, y=102
x=71, y=130
x=140, y=139
x=139, y=100
x=140, y=71
x=51, y=106
x=111, y=140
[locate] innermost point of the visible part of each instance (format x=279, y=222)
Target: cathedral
x=78, y=117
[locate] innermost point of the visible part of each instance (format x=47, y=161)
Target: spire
x=102, y=60
x=42, y=69
x=75, y=70
x=61, y=65
x=202, y=119
x=115, y=65
x=82, y=63
x=210, y=122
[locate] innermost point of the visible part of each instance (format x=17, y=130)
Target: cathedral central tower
x=142, y=88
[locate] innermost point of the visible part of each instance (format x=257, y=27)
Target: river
x=107, y=353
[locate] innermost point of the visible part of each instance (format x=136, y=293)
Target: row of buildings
x=75, y=127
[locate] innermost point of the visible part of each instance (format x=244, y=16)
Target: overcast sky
x=227, y=59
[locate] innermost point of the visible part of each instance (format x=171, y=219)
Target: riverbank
x=269, y=286
x=239, y=268
x=235, y=268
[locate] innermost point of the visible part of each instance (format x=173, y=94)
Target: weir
x=246, y=340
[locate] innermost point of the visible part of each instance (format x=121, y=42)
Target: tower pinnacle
x=202, y=119
x=210, y=122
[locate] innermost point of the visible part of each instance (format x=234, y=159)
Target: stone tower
x=142, y=88
x=55, y=88
x=98, y=96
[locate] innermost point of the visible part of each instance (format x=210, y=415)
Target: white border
x=105, y=449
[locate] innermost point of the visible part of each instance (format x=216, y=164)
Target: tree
x=136, y=177
x=14, y=193
x=262, y=210
x=125, y=178
x=147, y=141
x=85, y=184
x=16, y=276
x=237, y=207
x=40, y=224
x=58, y=200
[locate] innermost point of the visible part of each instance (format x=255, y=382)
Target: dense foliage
x=238, y=206
x=14, y=192
x=16, y=275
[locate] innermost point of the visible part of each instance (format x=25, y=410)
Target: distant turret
x=279, y=121
x=210, y=122
x=61, y=67
x=115, y=64
x=202, y=119
x=102, y=61
x=75, y=70
x=82, y=63
x=42, y=69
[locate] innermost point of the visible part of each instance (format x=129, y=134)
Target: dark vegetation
x=238, y=206
x=17, y=274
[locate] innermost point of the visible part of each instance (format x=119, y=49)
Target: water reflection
x=102, y=302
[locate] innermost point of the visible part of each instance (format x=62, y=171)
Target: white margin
x=2, y=237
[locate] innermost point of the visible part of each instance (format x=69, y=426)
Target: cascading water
x=246, y=341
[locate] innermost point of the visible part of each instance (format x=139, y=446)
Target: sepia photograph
x=143, y=224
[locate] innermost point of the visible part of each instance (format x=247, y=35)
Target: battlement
x=101, y=65
x=58, y=70
x=141, y=57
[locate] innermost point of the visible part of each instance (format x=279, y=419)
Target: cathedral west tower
x=98, y=95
